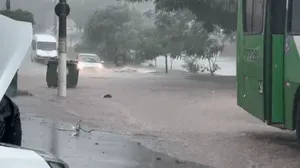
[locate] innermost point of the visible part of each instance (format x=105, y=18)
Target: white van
x=44, y=47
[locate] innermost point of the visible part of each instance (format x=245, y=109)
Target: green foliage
x=172, y=29
x=166, y=38
x=81, y=10
x=191, y=64
x=113, y=32
x=195, y=39
x=118, y=34
x=212, y=51
x=149, y=46
x=19, y=14
x=209, y=52
x=211, y=12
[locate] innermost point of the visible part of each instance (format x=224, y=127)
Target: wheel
x=297, y=119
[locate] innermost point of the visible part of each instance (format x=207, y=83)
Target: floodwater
x=227, y=64
x=96, y=149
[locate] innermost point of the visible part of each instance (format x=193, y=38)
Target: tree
x=195, y=39
x=149, y=45
x=19, y=15
x=211, y=53
x=208, y=48
x=113, y=32
x=171, y=28
x=194, y=46
x=180, y=33
x=211, y=12
x=81, y=10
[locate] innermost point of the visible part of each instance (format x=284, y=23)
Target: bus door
x=274, y=62
x=250, y=65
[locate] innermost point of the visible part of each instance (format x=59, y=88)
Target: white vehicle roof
x=15, y=44
x=44, y=38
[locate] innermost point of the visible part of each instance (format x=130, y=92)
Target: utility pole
x=55, y=21
x=62, y=10
x=7, y=5
x=166, y=63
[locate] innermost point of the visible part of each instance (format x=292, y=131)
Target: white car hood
x=15, y=42
x=21, y=158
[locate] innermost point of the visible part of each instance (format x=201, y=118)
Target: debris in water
x=78, y=128
x=179, y=162
x=107, y=96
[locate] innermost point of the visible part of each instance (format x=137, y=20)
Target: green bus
x=268, y=60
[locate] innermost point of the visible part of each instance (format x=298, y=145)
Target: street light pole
x=62, y=10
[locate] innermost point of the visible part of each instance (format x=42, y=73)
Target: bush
x=191, y=65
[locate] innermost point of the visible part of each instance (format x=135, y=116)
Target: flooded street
x=157, y=86
x=152, y=120
x=97, y=148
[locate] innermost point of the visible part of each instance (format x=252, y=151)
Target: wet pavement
x=96, y=149
x=156, y=116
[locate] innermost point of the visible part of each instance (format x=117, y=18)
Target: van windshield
x=47, y=46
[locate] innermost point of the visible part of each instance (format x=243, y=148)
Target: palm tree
x=7, y=4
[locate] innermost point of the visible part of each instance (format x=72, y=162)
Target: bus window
x=293, y=26
x=248, y=16
x=258, y=15
x=253, y=16
x=278, y=14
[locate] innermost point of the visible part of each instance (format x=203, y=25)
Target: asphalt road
x=163, y=119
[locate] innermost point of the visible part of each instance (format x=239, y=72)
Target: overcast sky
x=43, y=10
